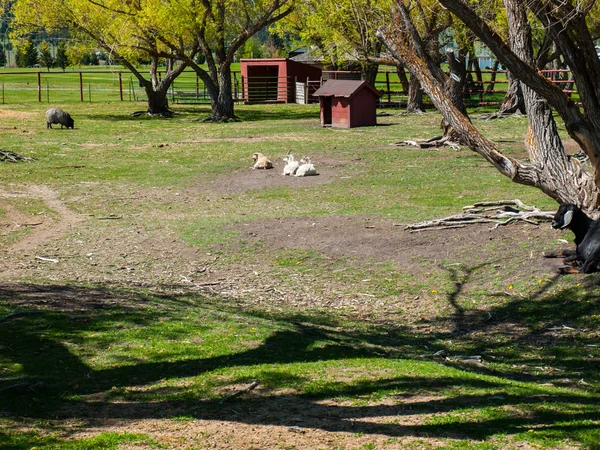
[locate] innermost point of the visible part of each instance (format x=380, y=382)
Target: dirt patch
x=47, y=228
x=388, y=241
x=250, y=179
x=19, y=115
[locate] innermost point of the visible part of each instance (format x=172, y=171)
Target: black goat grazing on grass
x=587, y=240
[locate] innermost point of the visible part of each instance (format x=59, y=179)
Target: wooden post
x=197, y=86
x=39, y=82
x=235, y=86
x=387, y=82
x=306, y=89
x=120, y=86
x=80, y=86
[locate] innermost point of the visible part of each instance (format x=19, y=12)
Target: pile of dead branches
x=13, y=157
x=498, y=213
x=430, y=144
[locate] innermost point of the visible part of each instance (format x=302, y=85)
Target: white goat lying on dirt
x=291, y=165
x=306, y=168
x=261, y=161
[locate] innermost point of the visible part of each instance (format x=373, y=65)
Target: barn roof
x=343, y=88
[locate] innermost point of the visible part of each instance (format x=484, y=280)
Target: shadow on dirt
x=521, y=333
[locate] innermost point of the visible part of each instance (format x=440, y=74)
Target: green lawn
x=115, y=346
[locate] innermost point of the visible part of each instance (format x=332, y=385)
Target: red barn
x=348, y=103
x=273, y=79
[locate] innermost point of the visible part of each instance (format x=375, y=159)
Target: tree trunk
x=157, y=88
x=573, y=38
x=415, y=97
x=222, y=108
x=403, y=78
x=549, y=170
x=157, y=101
x=513, y=99
x=368, y=72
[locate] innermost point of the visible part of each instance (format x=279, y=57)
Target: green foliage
x=252, y=49
x=27, y=54
x=62, y=59
x=45, y=56
x=2, y=56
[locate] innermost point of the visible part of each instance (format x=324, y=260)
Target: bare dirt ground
x=65, y=247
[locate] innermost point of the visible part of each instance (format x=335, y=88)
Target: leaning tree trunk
x=415, y=97
x=454, y=87
x=549, y=170
x=561, y=177
x=577, y=46
x=513, y=101
x=401, y=71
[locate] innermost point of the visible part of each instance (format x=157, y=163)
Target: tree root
x=498, y=213
x=14, y=157
x=498, y=115
x=219, y=119
x=433, y=143
x=167, y=113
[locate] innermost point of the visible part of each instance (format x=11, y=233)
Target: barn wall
x=261, y=71
x=302, y=72
x=264, y=79
x=363, y=111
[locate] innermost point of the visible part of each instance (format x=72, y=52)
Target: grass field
x=158, y=293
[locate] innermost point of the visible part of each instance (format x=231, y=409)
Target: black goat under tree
x=549, y=168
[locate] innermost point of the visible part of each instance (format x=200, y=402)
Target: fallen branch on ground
x=240, y=392
x=499, y=213
x=498, y=115
x=433, y=143
x=13, y=157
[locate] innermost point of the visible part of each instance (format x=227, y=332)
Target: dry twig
x=499, y=213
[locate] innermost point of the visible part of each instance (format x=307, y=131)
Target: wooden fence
x=485, y=87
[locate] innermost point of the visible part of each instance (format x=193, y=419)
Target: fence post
x=80, y=86
x=235, y=86
x=3, y=92
x=387, y=82
x=197, y=87
x=243, y=88
x=120, y=86
x=39, y=82
x=47, y=91
x=90, y=91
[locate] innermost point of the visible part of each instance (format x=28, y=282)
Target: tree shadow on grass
x=449, y=399
x=199, y=113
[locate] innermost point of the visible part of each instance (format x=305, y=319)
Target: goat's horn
x=567, y=219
